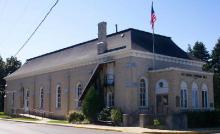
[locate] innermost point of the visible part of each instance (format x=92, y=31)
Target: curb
x=54, y=124
x=99, y=129
x=109, y=129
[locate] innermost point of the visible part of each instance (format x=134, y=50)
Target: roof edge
x=78, y=44
x=82, y=43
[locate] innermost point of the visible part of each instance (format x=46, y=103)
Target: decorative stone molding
x=106, y=57
x=180, y=69
x=165, y=58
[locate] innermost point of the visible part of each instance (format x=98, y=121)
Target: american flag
x=153, y=16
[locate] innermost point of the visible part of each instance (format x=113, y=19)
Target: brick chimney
x=102, y=38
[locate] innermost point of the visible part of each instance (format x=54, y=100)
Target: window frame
x=143, y=93
x=79, y=92
x=183, y=95
x=205, y=101
x=195, y=96
x=13, y=99
x=27, y=98
x=58, y=97
x=110, y=99
x=41, y=97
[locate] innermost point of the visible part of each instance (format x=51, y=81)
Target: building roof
x=162, y=45
x=140, y=40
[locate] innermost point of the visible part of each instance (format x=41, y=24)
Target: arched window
x=41, y=97
x=58, y=96
x=27, y=97
x=183, y=95
x=22, y=97
x=26, y=100
x=143, y=93
x=110, y=99
x=195, y=97
x=204, y=96
x=162, y=87
x=79, y=93
x=79, y=89
x=13, y=99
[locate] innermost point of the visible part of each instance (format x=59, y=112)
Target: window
x=204, y=96
x=79, y=93
x=110, y=74
x=161, y=84
x=22, y=97
x=195, y=97
x=143, y=93
x=27, y=98
x=79, y=89
x=58, y=97
x=110, y=99
x=13, y=99
x=162, y=87
x=183, y=95
x=41, y=98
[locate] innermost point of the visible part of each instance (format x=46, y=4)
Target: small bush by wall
x=105, y=114
x=75, y=117
x=116, y=116
x=203, y=119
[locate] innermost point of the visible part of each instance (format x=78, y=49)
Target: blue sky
x=75, y=21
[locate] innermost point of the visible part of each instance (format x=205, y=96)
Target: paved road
x=10, y=127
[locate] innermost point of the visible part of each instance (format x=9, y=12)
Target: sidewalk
x=136, y=130
x=41, y=119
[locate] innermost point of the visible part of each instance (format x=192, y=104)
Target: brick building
x=120, y=65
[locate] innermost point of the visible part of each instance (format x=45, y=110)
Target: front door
x=26, y=100
x=162, y=103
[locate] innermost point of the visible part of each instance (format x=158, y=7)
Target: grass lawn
x=5, y=116
x=25, y=119
x=58, y=121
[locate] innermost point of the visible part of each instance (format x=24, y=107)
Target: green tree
x=216, y=87
x=199, y=51
x=189, y=49
x=2, y=83
x=12, y=64
x=92, y=104
x=215, y=66
x=216, y=56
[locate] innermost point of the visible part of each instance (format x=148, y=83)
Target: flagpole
x=155, y=109
x=153, y=19
x=153, y=50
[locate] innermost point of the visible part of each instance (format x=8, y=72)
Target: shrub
x=116, y=116
x=92, y=104
x=105, y=114
x=202, y=119
x=75, y=117
x=156, y=122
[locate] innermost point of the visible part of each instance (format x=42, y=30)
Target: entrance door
x=26, y=100
x=162, y=103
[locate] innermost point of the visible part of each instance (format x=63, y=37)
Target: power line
x=25, y=43
x=11, y=31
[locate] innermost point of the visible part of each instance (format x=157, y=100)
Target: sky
x=75, y=21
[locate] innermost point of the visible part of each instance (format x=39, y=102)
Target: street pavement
x=10, y=127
